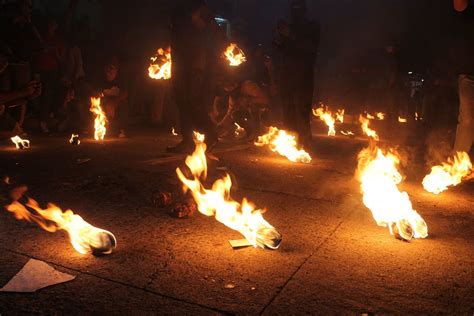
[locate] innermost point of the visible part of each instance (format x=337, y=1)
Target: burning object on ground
x=242, y=217
x=327, y=117
x=450, y=173
x=100, y=119
x=20, y=143
x=84, y=237
x=160, y=66
x=184, y=209
x=75, y=139
x=234, y=55
x=161, y=198
x=364, y=123
x=379, y=178
x=284, y=143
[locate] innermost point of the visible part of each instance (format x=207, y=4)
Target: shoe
x=183, y=147
x=44, y=127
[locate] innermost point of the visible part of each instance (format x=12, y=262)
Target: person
x=195, y=53
x=465, y=36
x=11, y=99
x=114, y=96
x=297, y=43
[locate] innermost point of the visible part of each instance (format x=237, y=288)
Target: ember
x=450, y=173
x=242, y=217
x=160, y=66
x=84, y=237
x=100, y=119
x=20, y=143
x=283, y=143
x=234, y=55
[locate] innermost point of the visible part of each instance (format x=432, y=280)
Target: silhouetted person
x=194, y=53
x=465, y=35
x=298, y=44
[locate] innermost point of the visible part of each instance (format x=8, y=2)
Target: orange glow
x=84, y=237
x=239, y=130
x=448, y=174
x=283, y=143
x=234, y=55
x=377, y=172
x=173, y=132
x=242, y=217
x=160, y=66
x=327, y=117
x=380, y=115
x=348, y=133
x=364, y=122
x=402, y=120
x=100, y=119
x=20, y=143
x=74, y=138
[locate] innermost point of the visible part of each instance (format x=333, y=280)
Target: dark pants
x=194, y=99
x=297, y=98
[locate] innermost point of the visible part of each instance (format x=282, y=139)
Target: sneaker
x=44, y=127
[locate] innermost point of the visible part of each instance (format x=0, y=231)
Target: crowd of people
x=46, y=79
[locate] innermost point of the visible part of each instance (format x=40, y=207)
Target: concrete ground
x=334, y=259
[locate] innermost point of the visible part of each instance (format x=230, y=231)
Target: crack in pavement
x=280, y=290
x=179, y=300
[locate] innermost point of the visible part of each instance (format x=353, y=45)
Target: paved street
x=334, y=259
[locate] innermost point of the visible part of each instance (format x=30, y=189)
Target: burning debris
x=450, y=173
x=242, y=217
x=161, y=198
x=239, y=131
x=100, y=119
x=283, y=143
x=184, y=209
x=75, y=139
x=364, y=122
x=402, y=119
x=160, y=66
x=327, y=117
x=347, y=133
x=84, y=237
x=379, y=177
x=234, y=55
x=20, y=143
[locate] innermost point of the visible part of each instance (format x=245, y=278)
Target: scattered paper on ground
x=35, y=275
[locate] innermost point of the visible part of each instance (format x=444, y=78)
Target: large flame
x=242, y=217
x=160, y=66
x=20, y=143
x=100, y=119
x=449, y=173
x=84, y=237
x=364, y=122
x=327, y=117
x=379, y=177
x=283, y=143
x=234, y=55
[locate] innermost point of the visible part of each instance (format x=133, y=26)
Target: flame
x=364, y=122
x=418, y=117
x=73, y=138
x=100, y=119
x=370, y=116
x=326, y=116
x=449, y=173
x=348, y=133
x=239, y=130
x=20, y=143
x=242, y=217
x=380, y=115
x=379, y=177
x=160, y=66
x=234, y=55
x=173, y=132
x=283, y=143
x=84, y=237
x=402, y=120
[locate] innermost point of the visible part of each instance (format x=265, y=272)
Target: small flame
x=402, y=120
x=370, y=116
x=198, y=137
x=20, y=143
x=173, y=132
x=326, y=116
x=242, y=217
x=348, y=133
x=380, y=115
x=75, y=139
x=283, y=143
x=364, y=122
x=418, y=117
x=100, y=119
x=160, y=66
x=379, y=177
x=239, y=130
x=84, y=237
x=234, y=55
x=450, y=173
